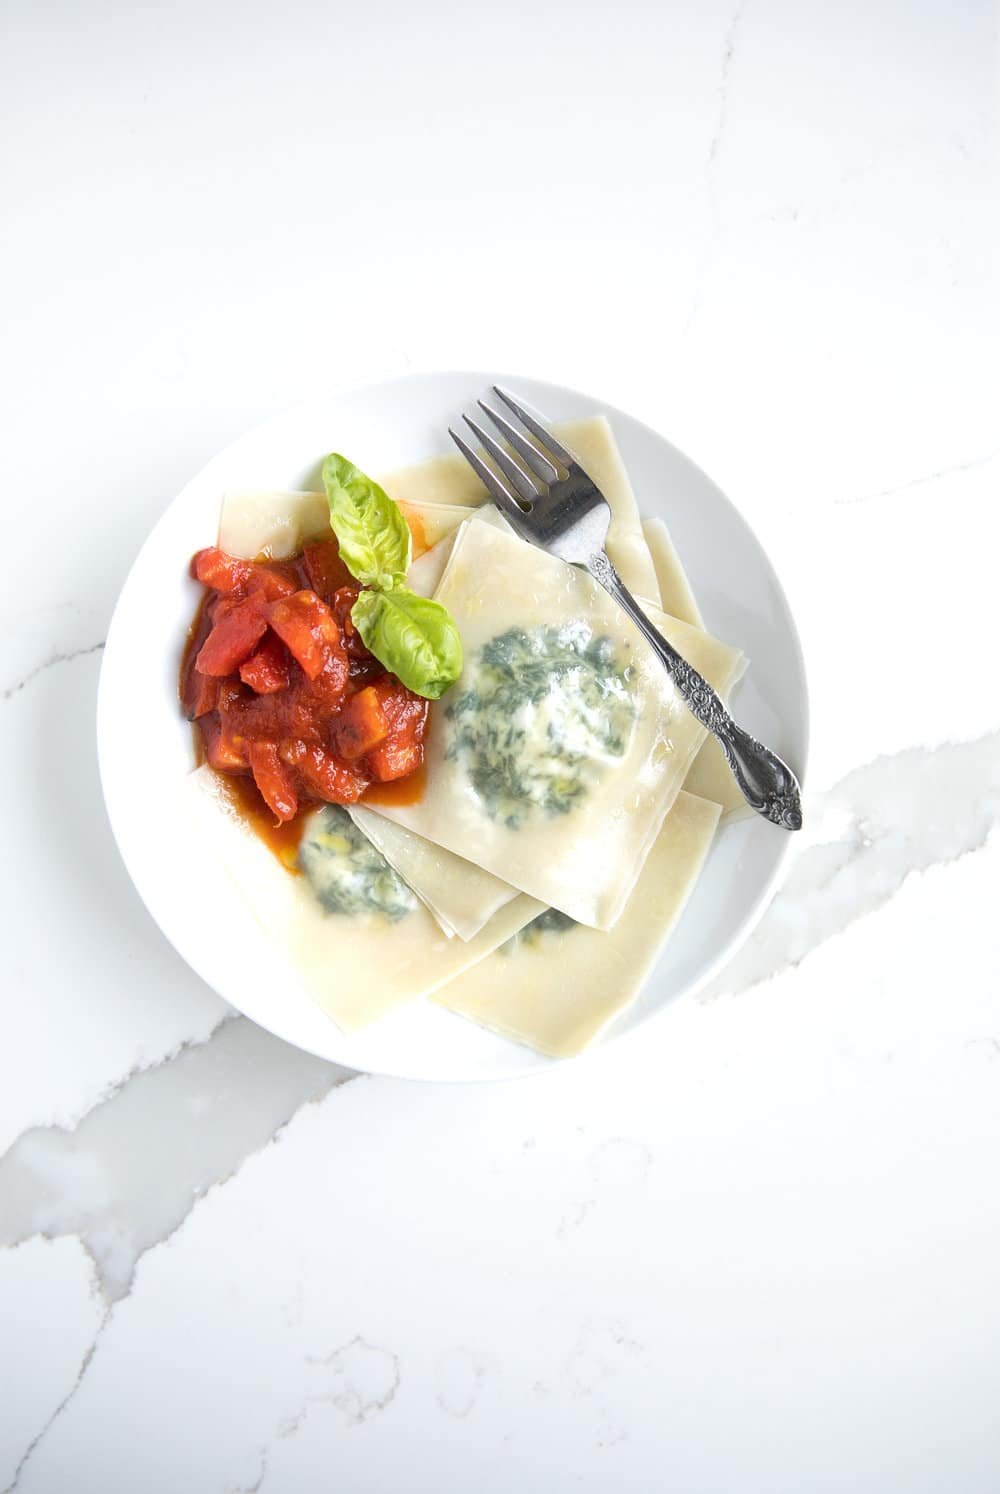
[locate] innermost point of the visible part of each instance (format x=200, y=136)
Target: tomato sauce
x=418, y=533
x=400, y=791
x=288, y=705
x=281, y=838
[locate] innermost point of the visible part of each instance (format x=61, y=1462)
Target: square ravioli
x=555, y=985
x=450, y=480
x=360, y=939
x=461, y=896
x=553, y=760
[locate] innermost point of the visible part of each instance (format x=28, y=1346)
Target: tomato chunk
x=361, y=725
x=200, y=693
x=271, y=775
x=308, y=627
x=325, y=693
x=336, y=782
x=225, y=747
x=324, y=567
x=233, y=577
x=268, y=670
x=406, y=711
x=238, y=627
x=222, y=572
x=344, y=599
x=402, y=750
x=396, y=757
x=272, y=580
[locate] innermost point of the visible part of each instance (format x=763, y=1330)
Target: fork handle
x=765, y=781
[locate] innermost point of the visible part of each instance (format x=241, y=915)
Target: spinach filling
x=545, y=711
x=549, y=922
x=347, y=874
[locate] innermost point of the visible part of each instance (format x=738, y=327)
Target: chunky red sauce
x=286, y=700
x=409, y=790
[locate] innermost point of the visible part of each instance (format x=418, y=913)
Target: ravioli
x=461, y=896
x=278, y=524
x=710, y=775
x=676, y=596
x=450, y=885
x=553, y=760
x=450, y=480
x=360, y=939
x=429, y=523
x=273, y=524
x=556, y=985
x=425, y=573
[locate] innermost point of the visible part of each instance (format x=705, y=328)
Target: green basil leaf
x=414, y=637
x=372, y=534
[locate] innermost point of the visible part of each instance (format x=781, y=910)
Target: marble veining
x=711, y=169
x=67, y=658
x=972, y=465
x=60, y=1408
x=361, y=1381
x=728, y=53
x=865, y=843
x=460, y=1375
x=165, y=1137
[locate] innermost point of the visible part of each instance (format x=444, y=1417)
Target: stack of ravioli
x=570, y=798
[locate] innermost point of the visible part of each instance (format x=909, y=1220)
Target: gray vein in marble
x=722, y=117
x=575, y=1218
x=712, y=160
x=188, y=1123
x=973, y=465
x=617, y=1163
x=79, y=653
x=36, y=1440
x=253, y=1488
x=895, y=817
x=116, y=1086
x=365, y=1380
x=599, y=1354
x=92, y=1182
x=602, y=1352
x=621, y=1160
x=460, y=1375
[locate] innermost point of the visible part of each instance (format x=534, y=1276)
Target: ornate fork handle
x=765, y=781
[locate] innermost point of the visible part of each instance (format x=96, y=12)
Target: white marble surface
x=756, y=1252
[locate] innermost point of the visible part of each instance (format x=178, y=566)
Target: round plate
x=386, y=427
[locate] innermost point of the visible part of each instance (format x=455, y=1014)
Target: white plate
x=384, y=427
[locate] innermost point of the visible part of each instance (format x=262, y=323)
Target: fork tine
x=502, y=497
x=522, y=479
x=535, y=426
x=536, y=460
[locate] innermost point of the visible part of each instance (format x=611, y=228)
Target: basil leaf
x=414, y=637
x=372, y=534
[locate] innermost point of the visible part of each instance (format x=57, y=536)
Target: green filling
x=347, y=874
x=543, y=711
x=549, y=922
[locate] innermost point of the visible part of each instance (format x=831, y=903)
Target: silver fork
x=542, y=490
